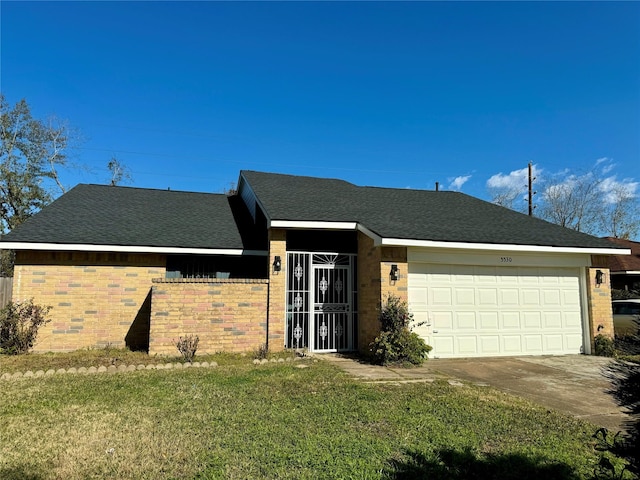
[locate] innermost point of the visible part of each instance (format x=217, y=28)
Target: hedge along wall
x=228, y=315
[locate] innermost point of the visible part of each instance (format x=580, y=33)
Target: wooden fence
x=6, y=287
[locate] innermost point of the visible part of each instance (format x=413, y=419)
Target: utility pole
x=531, y=192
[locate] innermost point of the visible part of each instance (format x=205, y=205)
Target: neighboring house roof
x=153, y=220
x=406, y=215
x=625, y=263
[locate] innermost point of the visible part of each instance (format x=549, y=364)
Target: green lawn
x=241, y=421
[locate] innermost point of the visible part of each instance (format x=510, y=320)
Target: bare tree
x=119, y=172
x=594, y=202
x=510, y=190
x=620, y=217
x=574, y=201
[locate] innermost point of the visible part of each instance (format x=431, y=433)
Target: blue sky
x=387, y=94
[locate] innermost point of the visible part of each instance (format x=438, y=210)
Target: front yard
x=242, y=421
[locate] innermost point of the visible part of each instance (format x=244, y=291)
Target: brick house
x=625, y=269
x=304, y=262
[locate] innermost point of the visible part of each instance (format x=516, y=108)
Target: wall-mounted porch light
x=393, y=274
x=277, y=264
x=599, y=277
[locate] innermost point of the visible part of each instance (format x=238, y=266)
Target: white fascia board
x=626, y=272
x=403, y=242
x=377, y=239
x=126, y=248
x=313, y=225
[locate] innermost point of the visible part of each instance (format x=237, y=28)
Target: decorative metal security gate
x=321, y=301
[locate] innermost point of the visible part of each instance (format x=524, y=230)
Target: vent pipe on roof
x=437, y=186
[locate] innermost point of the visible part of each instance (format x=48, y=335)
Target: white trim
x=374, y=236
x=404, y=242
x=126, y=248
x=313, y=225
x=584, y=307
x=626, y=272
x=499, y=246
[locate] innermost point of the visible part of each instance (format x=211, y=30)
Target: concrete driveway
x=574, y=384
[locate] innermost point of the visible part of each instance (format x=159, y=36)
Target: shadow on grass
x=452, y=464
x=21, y=472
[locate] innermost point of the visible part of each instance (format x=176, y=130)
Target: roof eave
x=403, y=242
x=84, y=247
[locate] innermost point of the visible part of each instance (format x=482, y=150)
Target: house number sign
x=506, y=259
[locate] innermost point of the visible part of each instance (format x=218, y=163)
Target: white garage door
x=472, y=311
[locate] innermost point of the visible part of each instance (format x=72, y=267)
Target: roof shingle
x=106, y=215
x=408, y=214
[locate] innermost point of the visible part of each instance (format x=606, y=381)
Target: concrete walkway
x=573, y=384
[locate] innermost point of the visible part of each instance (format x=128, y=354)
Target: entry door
x=331, y=308
x=321, y=302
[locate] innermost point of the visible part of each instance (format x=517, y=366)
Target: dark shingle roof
x=625, y=263
x=105, y=215
x=408, y=214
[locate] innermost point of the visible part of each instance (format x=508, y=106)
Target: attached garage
x=497, y=305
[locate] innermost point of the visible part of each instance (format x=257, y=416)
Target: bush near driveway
x=279, y=421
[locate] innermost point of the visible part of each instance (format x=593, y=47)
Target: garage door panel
x=488, y=296
x=466, y=320
x=467, y=345
x=554, y=343
x=509, y=296
x=441, y=296
x=511, y=320
x=465, y=296
x=488, y=320
x=418, y=296
x=442, y=321
x=571, y=297
x=573, y=343
x=532, y=344
x=530, y=297
x=551, y=297
x=511, y=344
x=532, y=320
x=572, y=320
x=501, y=310
x=444, y=345
x=553, y=320
x=490, y=344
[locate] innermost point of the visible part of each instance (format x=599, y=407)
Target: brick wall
x=277, y=289
x=227, y=315
x=375, y=285
x=96, y=298
x=599, y=298
x=399, y=288
x=369, y=290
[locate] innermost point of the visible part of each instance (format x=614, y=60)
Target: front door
x=320, y=302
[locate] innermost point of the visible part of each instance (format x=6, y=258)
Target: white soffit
x=402, y=242
x=127, y=249
x=313, y=225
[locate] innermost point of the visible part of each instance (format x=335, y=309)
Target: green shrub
x=19, y=324
x=604, y=346
x=187, y=347
x=397, y=344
